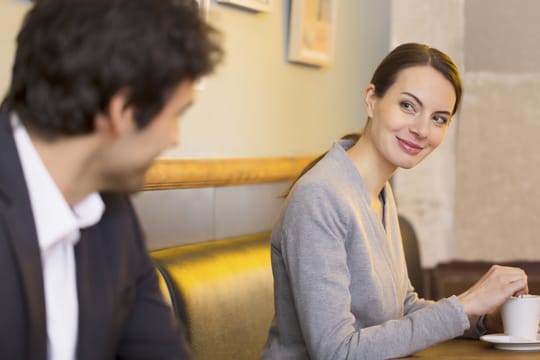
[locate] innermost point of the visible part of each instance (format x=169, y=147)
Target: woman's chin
x=408, y=164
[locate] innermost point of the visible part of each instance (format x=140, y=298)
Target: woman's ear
x=370, y=99
x=118, y=117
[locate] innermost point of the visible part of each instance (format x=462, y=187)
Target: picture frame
x=312, y=31
x=256, y=5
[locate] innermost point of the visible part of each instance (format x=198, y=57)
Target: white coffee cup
x=520, y=317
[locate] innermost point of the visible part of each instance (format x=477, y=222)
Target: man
x=96, y=92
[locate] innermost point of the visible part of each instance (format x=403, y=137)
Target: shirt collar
x=55, y=220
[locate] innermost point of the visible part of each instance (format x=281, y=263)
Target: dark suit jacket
x=121, y=311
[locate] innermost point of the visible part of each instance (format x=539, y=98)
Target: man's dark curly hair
x=73, y=56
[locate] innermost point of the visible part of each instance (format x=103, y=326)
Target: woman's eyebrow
x=414, y=97
x=422, y=104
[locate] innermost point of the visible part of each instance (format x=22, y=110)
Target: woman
x=340, y=278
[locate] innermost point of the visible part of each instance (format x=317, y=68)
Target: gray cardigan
x=340, y=277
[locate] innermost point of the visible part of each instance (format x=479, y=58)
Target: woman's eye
x=407, y=106
x=440, y=120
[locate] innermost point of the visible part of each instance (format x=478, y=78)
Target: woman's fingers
x=493, y=289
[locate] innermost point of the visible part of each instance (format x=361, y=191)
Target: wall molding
x=186, y=174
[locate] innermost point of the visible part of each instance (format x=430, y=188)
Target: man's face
x=132, y=153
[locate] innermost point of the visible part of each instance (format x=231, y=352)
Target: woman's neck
x=375, y=170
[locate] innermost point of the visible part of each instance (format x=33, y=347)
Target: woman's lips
x=409, y=147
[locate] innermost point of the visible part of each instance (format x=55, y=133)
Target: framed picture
x=312, y=31
x=257, y=5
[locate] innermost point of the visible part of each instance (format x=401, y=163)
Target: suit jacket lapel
x=16, y=213
x=94, y=279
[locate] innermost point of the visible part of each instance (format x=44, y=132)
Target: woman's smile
x=409, y=147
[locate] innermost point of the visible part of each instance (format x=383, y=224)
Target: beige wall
x=498, y=172
x=478, y=196
x=258, y=104
x=502, y=36
x=11, y=14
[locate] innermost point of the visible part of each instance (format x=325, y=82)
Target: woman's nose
x=420, y=128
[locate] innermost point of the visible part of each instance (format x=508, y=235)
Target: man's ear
x=370, y=99
x=118, y=117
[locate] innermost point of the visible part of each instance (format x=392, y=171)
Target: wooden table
x=471, y=349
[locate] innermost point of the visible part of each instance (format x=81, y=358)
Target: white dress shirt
x=57, y=228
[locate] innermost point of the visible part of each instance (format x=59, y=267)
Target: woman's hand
x=493, y=289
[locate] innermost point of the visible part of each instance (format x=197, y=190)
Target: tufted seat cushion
x=223, y=292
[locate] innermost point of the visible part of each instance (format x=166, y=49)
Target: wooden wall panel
x=188, y=174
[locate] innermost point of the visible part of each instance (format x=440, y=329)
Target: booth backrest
x=413, y=257
x=223, y=292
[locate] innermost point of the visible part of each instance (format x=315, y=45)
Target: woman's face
x=411, y=119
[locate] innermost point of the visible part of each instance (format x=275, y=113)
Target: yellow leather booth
x=223, y=292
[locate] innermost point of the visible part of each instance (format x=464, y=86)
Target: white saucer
x=505, y=342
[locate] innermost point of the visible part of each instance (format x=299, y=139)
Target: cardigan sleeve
x=413, y=302
x=315, y=256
